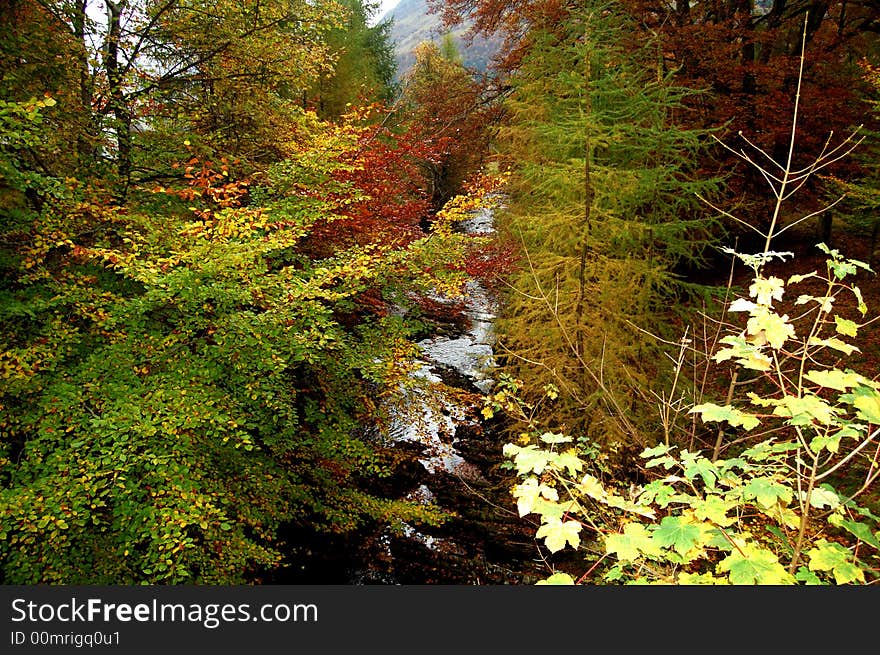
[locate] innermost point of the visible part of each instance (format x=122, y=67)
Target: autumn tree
x=745, y=54
x=221, y=65
x=40, y=55
x=196, y=344
x=603, y=204
x=190, y=378
x=448, y=107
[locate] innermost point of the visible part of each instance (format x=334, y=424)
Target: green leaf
x=695, y=465
x=806, y=576
x=868, y=406
x=820, y=498
x=548, y=510
x=716, y=413
x=557, y=579
x=782, y=537
x=660, y=492
x=569, y=461
x=846, y=327
x=550, y=437
x=751, y=564
x=767, y=492
x=678, y=533
x=746, y=354
x=556, y=534
x=841, y=268
x=629, y=506
x=660, y=449
x=714, y=508
x=667, y=462
x=806, y=409
x=831, y=556
x=862, y=531
x=834, y=343
x=829, y=442
x=825, y=302
x=635, y=541
x=834, y=379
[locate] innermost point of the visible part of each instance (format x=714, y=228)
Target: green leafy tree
x=182, y=383
x=364, y=66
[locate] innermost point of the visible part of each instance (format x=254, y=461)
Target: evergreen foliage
x=364, y=68
x=603, y=205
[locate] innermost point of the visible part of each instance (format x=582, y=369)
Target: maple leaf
x=592, y=487
x=557, y=579
x=714, y=508
x=527, y=459
x=528, y=492
x=831, y=556
x=765, y=290
x=567, y=460
x=552, y=438
x=868, y=406
x=632, y=543
x=556, y=533
x=767, y=492
x=835, y=379
x=806, y=409
x=860, y=530
x=678, y=533
x=822, y=497
x=695, y=465
x=767, y=327
x=835, y=343
x=752, y=564
x=713, y=412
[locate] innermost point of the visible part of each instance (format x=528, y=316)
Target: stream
x=485, y=542
x=455, y=465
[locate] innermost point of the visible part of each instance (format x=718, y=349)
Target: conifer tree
x=364, y=62
x=603, y=204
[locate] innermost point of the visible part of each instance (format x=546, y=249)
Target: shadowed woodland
x=226, y=227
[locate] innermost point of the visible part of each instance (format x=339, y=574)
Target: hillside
x=412, y=24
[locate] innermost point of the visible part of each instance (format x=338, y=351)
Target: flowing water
x=456, y=467
x=485, y=543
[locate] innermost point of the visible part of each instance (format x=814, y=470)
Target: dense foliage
x=604, y=208
x=606, y=351
x=225, y=227
x=197, y=338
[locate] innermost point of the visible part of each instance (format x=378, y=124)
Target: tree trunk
x=84, y=142
x=117, y=100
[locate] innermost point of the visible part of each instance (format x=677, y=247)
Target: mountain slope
x=412, y=24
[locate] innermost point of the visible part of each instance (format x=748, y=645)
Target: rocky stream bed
x=455, y=465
